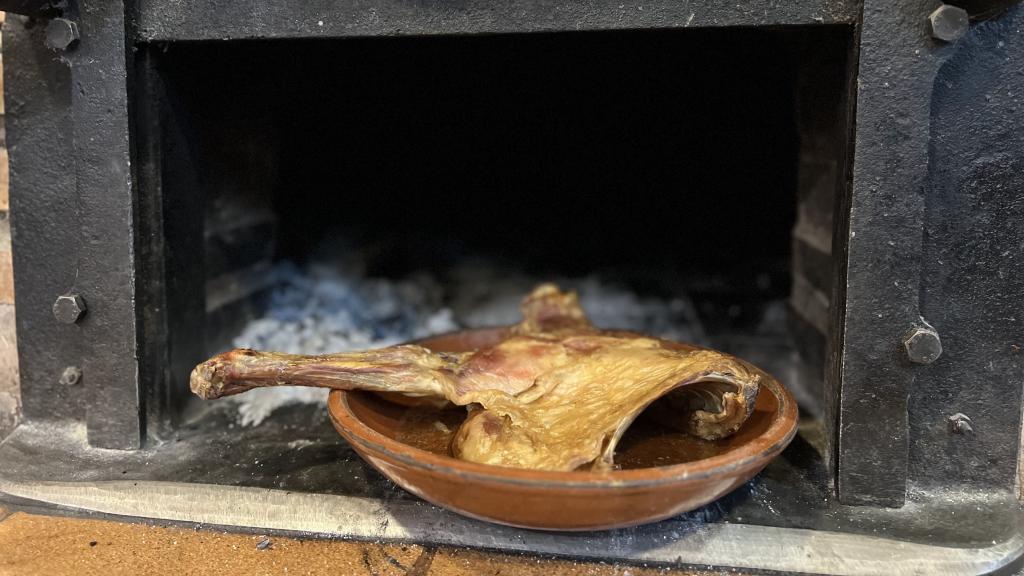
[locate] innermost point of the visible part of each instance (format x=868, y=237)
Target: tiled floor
x=31, y=544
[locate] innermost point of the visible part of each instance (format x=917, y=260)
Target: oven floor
x=294, y=473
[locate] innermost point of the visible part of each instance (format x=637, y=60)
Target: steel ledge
x=732, y=545
x=261, y=478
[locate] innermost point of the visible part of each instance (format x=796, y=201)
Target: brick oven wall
x=9, y=406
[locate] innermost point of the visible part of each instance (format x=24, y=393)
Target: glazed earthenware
x=578, y=500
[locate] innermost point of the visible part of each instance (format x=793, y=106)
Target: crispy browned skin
x=557, y=394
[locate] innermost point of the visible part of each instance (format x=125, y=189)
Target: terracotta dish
x=664, y=473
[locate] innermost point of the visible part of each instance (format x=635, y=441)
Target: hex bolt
x=960, y=423
x=72, y=375
x=69, y=308
x=61, y=34
x=922, y=344
x=948, y=23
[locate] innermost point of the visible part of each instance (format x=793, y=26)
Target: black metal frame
x=903, y=265
x=914, y=237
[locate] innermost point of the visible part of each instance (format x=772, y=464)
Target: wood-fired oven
x=834, y=190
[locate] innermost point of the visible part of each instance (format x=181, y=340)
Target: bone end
x=214, y=378
x=549, y=309
x=204, y=380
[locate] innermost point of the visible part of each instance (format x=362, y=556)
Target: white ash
x=483, y=295
x=322, y=309
x=614, y=306
x=300, y=444
x=330, y=308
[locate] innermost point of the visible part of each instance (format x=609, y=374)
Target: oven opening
x=364, y=192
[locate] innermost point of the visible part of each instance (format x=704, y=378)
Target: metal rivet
x=922, y=344
x=61, y=34
x=72, y=375
x=960, y=424
x=69, y=308
x=948, y=23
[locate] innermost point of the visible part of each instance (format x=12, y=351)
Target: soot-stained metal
x=106, y=203
x=886, y=431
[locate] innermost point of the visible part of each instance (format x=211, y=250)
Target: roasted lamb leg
x=556, y=394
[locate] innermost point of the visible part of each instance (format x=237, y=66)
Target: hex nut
x=922, y=344
x=948, y=23
x=69, y=308
x=960, y=423
x=72, y=375
x=61, y=34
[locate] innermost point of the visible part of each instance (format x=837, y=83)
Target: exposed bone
x=557, y=394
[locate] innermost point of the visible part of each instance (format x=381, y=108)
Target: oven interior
x=665, y=175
